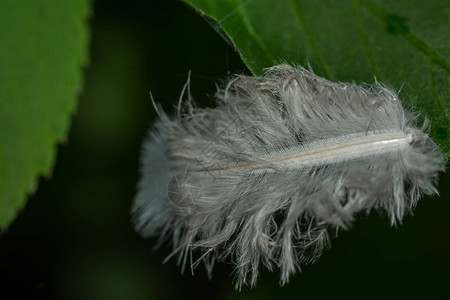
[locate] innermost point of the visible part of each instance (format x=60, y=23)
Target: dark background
x=74, y=239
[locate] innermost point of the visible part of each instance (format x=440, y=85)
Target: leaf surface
x=405, y=44
x=43, y=46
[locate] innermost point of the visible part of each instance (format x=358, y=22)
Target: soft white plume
x=261, y=178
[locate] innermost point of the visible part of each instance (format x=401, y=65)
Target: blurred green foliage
x=43, y=47
x=75, y=240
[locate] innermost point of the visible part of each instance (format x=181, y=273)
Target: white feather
x=259, y=179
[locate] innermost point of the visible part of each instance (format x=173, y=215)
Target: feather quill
x=283, y=158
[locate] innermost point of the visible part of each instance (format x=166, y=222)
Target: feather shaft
x=328, y=152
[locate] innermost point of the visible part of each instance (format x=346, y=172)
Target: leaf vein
x=309, y=37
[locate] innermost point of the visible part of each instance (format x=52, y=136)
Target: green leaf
x=404, y=43
x=43, y=46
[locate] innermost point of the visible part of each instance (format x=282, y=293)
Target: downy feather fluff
x=281, y=160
